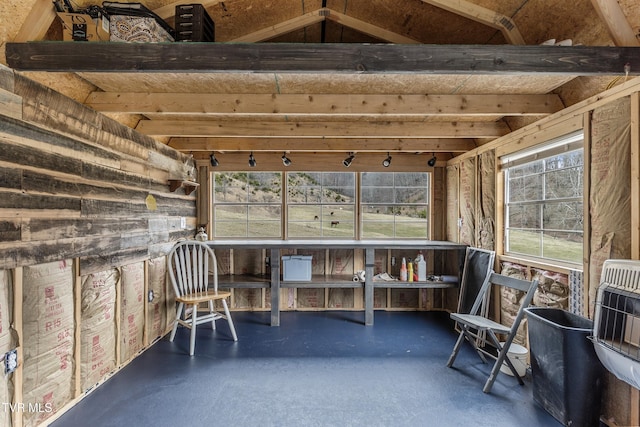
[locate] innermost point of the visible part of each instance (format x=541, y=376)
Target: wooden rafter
x=366, y=28
x=300, y=129
x=37, y=22
x=322, y=58
x=616, y=22
x=483, y=15
x=210, y=104
x=282, y=28
x=435, y=145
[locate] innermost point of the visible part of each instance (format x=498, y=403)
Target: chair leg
x=501, y=358
x=456, y=349
x=175, y=323
x=211, y=311
x=230, y=320
x=194, y=320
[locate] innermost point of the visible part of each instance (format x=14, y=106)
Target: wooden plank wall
x=74, y=183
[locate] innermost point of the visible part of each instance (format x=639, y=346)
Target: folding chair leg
x=175, y=323
x=228, y=314
x=194, y=320
x=456, y=349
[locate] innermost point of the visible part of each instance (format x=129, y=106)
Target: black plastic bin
x=566, y=372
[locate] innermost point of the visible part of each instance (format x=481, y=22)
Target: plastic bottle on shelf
x=421, y=267
x=410, y=271
x=403, y=270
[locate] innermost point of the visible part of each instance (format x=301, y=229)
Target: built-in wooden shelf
x=189, y=186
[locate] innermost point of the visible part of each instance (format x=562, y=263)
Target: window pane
x=525, y=216
x=378, y=194
x=563, y=183
x=544, y=212
x=247, y=204
x=563, y=216
x=321, y=204
x=563, y=246
x=395, y=205
x=526, y=188
x=525, y=242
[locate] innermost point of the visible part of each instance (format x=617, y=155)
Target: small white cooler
x=296, y=268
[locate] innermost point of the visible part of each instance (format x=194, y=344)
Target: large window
x=247, y=204
x=321, y=204
x=395, y=205
x=544, y=201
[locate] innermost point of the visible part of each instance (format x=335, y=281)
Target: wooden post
x=77, y=313
x=586, y=195
x=16, y=416
x=634, y=416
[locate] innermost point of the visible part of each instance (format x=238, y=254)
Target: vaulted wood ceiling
x=265, y=110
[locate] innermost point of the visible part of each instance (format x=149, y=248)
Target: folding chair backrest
x=189, y=265
x=527, y=286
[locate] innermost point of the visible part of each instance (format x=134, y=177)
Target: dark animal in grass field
x=334, y=223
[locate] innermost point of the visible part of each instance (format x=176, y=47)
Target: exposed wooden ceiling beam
x=211, y=104
x=300, y=129
x=317, y=57
x=366, y=28
x=483, y=15
x=616, y=22
x=282, y=28
x=383, y=145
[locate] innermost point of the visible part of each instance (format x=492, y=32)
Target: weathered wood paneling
x=76, y=184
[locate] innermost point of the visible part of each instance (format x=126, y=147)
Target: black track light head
x=387, y=162
x=214, y=161
x=252, y=160
x=285, y=160
x=347, y=162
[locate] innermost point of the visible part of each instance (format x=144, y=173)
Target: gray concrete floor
x=316, y=369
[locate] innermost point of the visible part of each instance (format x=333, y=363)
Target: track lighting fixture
x=386, y=162
x=252, y=160
x=432, y=161
x=285, y=160
x=347, y=162
x=214, y=161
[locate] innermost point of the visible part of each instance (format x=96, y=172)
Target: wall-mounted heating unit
x=616, y=325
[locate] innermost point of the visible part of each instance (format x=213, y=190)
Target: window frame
x=565, y=144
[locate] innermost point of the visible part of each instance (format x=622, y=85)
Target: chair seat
x=199, y=297
x=480, y=323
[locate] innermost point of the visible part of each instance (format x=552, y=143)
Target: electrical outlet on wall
x=150, y=296
x=10, y=361
x=183, y=222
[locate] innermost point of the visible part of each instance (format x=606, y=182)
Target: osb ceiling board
x=417, y=20
x=482, y=84
x=235, y=18
x=577, y=20
x=631, y=9
x=584, y=87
